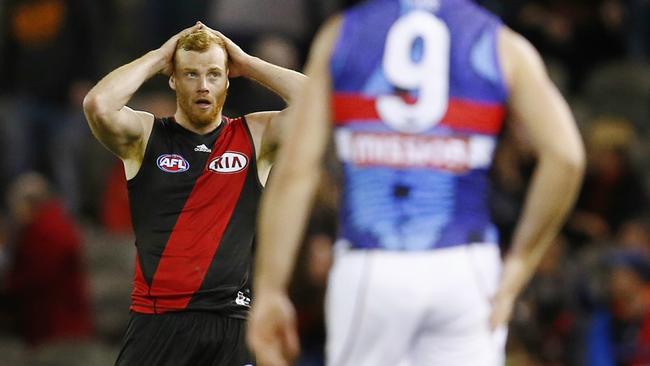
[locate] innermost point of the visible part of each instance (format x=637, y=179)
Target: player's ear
x=172, y=82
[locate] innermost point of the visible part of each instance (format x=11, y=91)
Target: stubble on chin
x=205, y=118
x=199, y=118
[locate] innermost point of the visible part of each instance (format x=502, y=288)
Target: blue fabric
x=599, y=349
x=416, y=207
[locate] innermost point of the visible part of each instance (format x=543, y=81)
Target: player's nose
x=203, y=84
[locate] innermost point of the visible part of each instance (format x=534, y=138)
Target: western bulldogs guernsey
x=193, y=206
x=418, y=102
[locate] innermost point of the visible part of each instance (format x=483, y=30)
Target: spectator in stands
x=546, y=320
x=639, y=35
x=580, y=34
x=613, y=188
x=47, y=280
x=245, y=20
x=618, y=333
x=634, y=234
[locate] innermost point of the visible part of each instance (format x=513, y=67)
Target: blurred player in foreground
x=416, y=92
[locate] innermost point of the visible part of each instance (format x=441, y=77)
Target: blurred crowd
x=66, y=255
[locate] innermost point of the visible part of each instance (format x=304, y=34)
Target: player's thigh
x=370, y=318
x=458, y=332
x=480, y=348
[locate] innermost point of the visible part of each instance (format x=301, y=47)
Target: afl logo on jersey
x=229, y=162
x=172, y=163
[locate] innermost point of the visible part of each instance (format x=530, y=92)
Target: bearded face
x=201, y=83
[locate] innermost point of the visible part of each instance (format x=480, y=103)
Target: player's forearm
x=550, y=197
x=283, y=216
x=114, y=91
x=283, y=82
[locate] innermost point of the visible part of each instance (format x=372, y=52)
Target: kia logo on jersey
x=172, y=163
x=229, y=162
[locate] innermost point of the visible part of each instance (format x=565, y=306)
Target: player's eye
x=190, y=74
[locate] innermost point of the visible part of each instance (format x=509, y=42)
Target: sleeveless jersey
x=193, y=207
x=418, y=102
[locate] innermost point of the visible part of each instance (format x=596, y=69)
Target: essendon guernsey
x=193, y=206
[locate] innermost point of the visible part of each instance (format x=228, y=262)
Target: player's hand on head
x=168, y=49
x=272, y=333
x=237, y=58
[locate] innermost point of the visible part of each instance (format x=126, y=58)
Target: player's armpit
x=260, y=126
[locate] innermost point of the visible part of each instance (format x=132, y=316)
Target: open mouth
x=203, y=103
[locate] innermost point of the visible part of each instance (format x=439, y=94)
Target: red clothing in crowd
x=48, y=280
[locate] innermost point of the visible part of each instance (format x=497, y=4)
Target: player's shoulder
x=514, y=43
x=517, y=54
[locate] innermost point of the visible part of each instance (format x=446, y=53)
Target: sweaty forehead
x=213, y=57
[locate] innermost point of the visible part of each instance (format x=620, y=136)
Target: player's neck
x=201, y=129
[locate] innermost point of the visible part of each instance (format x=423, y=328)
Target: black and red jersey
x=193, y=206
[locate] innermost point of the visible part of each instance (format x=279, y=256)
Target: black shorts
x=184, y=338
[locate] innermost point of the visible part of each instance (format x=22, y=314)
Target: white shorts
x=389, y=308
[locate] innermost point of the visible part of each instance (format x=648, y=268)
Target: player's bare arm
x=284, y=82
x=546, y=119
x=272, y=332
x=121, y=129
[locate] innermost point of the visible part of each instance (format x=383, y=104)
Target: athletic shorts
x=389, y=308
x=184, y=339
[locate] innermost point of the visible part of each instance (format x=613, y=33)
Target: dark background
x=67, y=244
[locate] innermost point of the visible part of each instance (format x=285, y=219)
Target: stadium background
x=589, y=302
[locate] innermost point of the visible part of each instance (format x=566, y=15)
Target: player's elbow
x=571, y=160
x=94, y=108
x=575, y=159
x=91, y=104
